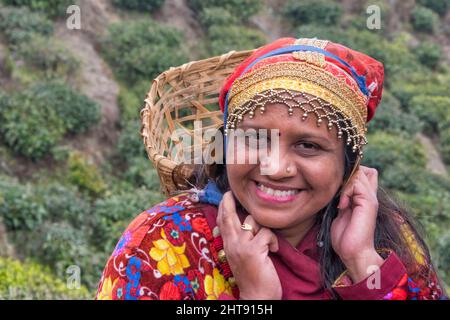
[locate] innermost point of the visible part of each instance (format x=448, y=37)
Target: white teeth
x=276, y=193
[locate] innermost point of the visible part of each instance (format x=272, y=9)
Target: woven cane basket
x=177, y=98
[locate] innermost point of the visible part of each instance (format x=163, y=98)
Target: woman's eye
x=307, y=146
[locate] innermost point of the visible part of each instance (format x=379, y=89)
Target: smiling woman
x=304, y=221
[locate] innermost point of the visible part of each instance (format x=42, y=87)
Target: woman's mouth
x=274, y=195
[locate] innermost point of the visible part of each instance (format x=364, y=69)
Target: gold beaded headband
x=284, y=81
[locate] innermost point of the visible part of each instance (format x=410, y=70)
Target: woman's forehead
x=276, y=116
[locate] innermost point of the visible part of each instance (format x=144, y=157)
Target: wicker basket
x=177, y=98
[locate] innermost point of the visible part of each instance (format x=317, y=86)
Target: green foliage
x=443, y=258
x=241, y=9
x=403, y=177
x=237, y=38
x=29, y=280
x=324, y=12
x=20, y=207
x=139, y=5
x=63, y=203
x=311, y=30
x=20, y=25
x=140, y=173
x=439, y=6
x=384, y=150
x=429, y=54
x=434, y=111
x=431, y=202
x=52, y=8
x=424, y=19
x=77, y=111
x=394, y=53
x=423, y=83
x=131, y=101
x=84, y=175
x=60, y=245
x=29, y=126
x=391, y=119
x=35, y=120
x=216, y=16
x=444, y=146
x=52, y=223
x=140, y=50
x=130, y=142
x=48, y=56
x=111, y=215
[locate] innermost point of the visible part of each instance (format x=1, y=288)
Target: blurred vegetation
x=36, y=119
x=30, y=281
x=72, y=211
x=139, y=5
x=424, y=19
x=323, y=12
x=52, y=8
x=139, y=50
x=240, y=9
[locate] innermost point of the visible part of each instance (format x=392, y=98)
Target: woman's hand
x=353, y=231
x=247, y=254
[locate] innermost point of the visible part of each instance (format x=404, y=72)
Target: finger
x=365, y=188
x=346, y=195
x=224, y=231
x=230, y=219
x=265, y=237
x=372, y=176
x=359, y=178
x=256, y=227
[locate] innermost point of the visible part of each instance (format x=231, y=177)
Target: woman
x=305, y=221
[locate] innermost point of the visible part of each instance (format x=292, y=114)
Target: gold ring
x=247, y=227
x=221, y=256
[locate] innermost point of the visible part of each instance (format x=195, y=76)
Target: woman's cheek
x=322, y=174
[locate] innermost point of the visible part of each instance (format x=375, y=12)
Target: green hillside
x=73, y=168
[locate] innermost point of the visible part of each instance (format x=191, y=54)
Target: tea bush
x=139, y=5
x=429, y=54
x=439, y=6
x=35, y=120
x=29, y=126
x=84, y=175
x=20, y=25
x=78, y=112
x=140, y=50
x=434, y=111
x=424, y=19
x=241, y=9
x=238, y=38
x=324, y=12
x=20, y=207
x=391, y=118
x=49, y=56
x=31, y=281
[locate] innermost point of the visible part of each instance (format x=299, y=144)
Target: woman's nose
x=278, y=166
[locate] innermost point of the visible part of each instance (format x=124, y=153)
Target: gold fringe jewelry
x=308, y=104
x=283, y=82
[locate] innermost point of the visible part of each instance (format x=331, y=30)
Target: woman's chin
x=270, y=218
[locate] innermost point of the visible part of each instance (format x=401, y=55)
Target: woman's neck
x=295, y=234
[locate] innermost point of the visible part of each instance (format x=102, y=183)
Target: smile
x=275, y=195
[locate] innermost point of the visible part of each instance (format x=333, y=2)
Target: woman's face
x=314, y=155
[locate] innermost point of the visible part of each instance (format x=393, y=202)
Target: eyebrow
x=298, y=134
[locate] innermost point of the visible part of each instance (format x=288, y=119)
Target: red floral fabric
x=170, y=252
